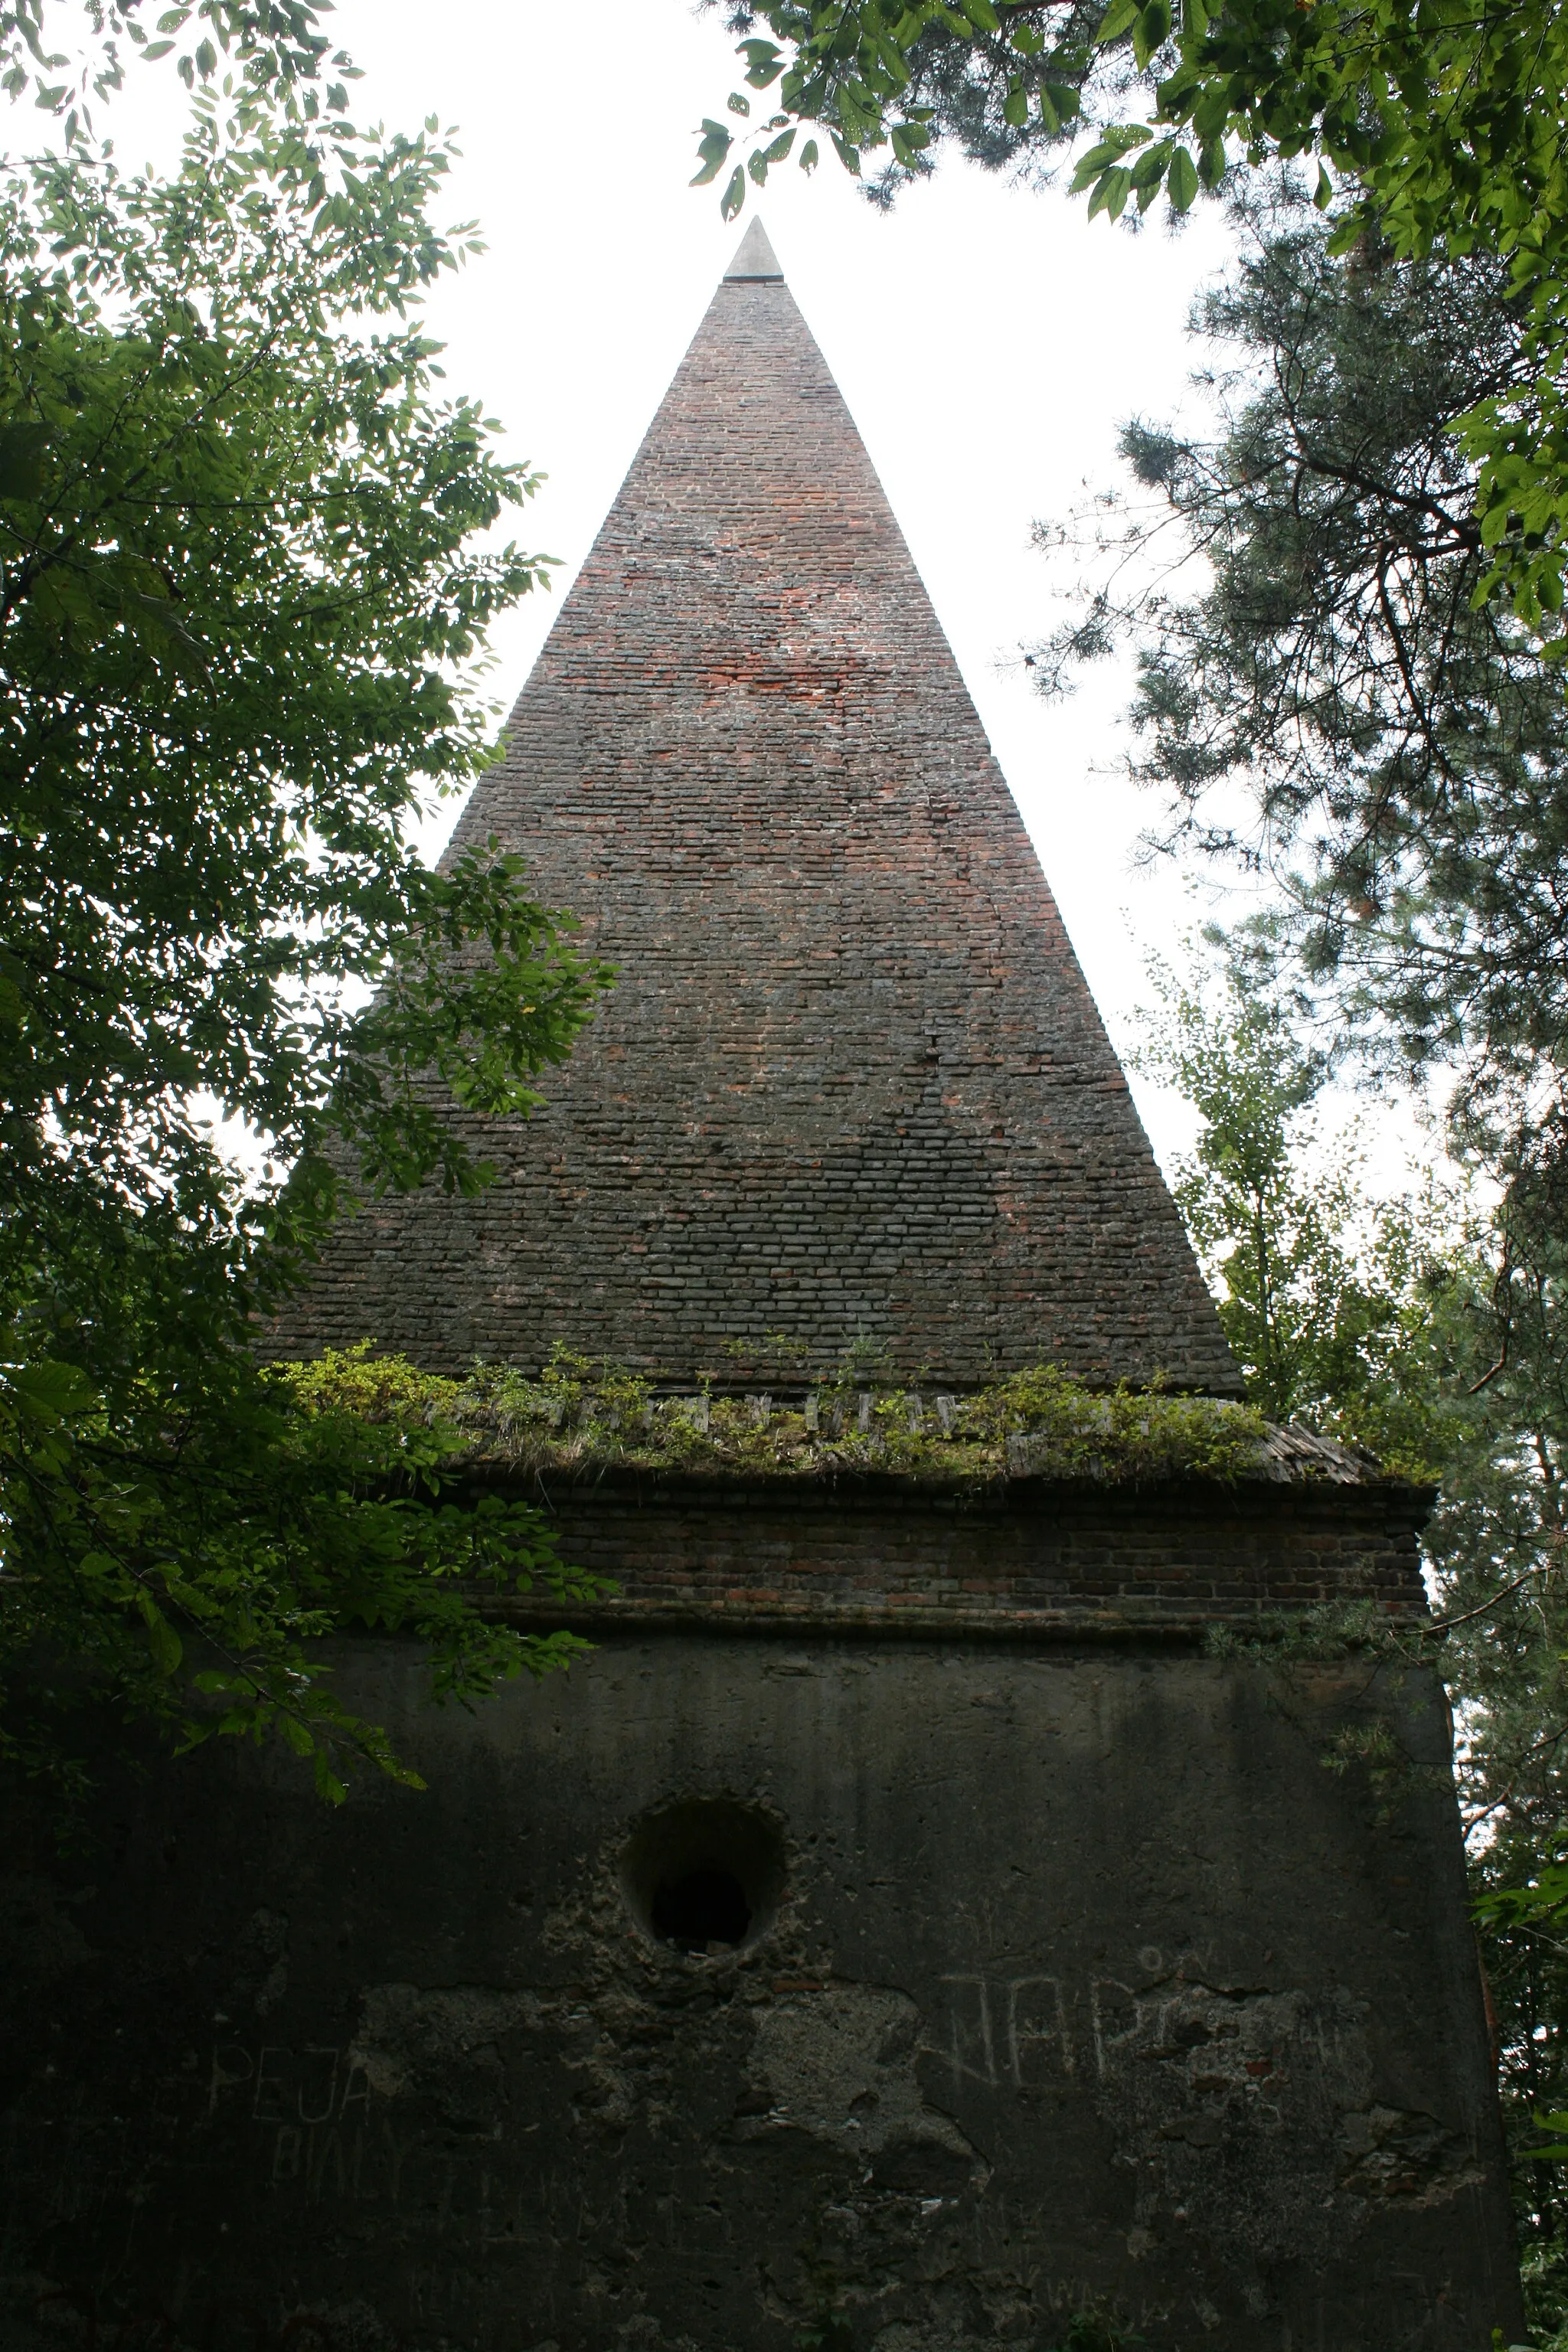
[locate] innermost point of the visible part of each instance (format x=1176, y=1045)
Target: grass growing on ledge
x=580, y=1418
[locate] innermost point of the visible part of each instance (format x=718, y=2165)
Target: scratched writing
x=1024, y=2032
x=279, y=2085
x=1010, y=2030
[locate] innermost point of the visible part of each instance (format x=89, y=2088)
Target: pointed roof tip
x=754, y=257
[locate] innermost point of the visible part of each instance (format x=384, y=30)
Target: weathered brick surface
x=1015, y=1562
x=852, y=1084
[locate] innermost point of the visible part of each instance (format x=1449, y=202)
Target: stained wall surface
x=1087, y=1985
x=851, y=1088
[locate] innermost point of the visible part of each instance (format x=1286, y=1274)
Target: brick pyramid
x=851, y=1092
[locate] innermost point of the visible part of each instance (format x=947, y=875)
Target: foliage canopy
x=241, y=598
x=1431, y=1328
x=1439, y=130
x=1327, y=701
x=1323, y=1292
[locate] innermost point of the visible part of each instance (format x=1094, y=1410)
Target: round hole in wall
x=704, y=1874
x=694, y=1908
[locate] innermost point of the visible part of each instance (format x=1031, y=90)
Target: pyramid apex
x=754, y=256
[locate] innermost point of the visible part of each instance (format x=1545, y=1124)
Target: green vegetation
x=1344, y=712
x=581, y=1418
x=1434, y=1327
x=1348, y=1311
x=189, y=1585
x=1437, y=131
x=1334, y=710
x=241, y=607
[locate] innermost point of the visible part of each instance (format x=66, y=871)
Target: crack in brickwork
x=852, y=1085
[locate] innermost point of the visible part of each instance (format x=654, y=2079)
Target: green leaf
x=50, y=1391
x=737, y=103
x=163, y=1643
x=1103, y=151
x=1183, y=180
x=1213, y=110
x=1173, y=95
x=713, y=148
x=22, y=448
x=981, y=16
x=808, y=156
x=1118, y=18
x=157, y=621
x=1015, y=107
x=1111, y=192
x=766, y=63
x=859, y=121
x=1323, y=193
x=776, y=151
x=1115, y=145
x=734, y=196
x=1151, y=31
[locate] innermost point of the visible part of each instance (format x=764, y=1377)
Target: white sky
x=988, y=341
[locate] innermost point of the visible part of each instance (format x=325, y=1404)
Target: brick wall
x=1181, y=1557
x=852, y=1085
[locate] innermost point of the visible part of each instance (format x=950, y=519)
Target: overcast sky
x=988, y=341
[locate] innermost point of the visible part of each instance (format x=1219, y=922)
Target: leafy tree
x=240, y=603
x=1007, y=96
x=1330, y=700
x=276, y=46
x=1435, y=1332
x=1324, y=1291
x=1445, y=131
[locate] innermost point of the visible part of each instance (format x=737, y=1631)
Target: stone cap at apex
x=754, y=257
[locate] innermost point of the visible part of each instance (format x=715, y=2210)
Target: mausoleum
x=928, y=1920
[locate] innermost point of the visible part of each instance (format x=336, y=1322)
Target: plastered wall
x=1087, y=1984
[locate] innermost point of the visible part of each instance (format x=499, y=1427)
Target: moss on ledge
x=581, y=1419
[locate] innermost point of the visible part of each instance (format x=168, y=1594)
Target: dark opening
x=704, y=1874
x=701, y=1906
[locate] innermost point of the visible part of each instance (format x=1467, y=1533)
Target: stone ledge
x=1165, y=1629
x=834, y=1484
